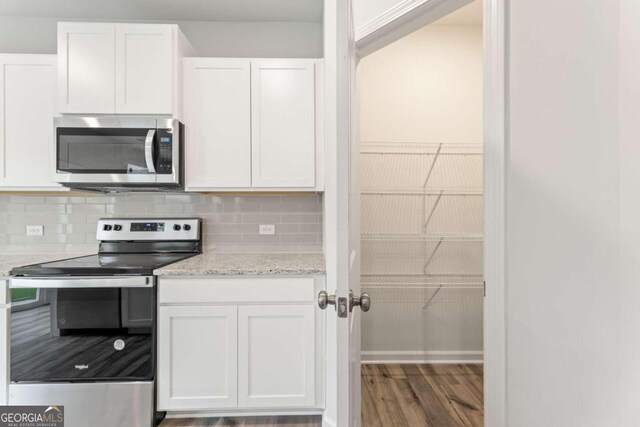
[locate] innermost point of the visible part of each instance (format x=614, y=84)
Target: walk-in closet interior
x=422, y=221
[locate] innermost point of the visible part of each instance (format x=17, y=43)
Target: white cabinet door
x=144, y=58
x=197, y=357
x=276, y=356
x=86, y=68
x=27, y=106
x=218, y=122
x=283, y=122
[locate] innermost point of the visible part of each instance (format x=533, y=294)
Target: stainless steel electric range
x=86, y=338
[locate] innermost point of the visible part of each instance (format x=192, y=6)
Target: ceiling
x=168, y=10
x=470, y=14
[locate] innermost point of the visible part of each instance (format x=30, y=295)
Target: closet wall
x=421, y=132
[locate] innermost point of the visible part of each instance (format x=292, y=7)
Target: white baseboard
x=398, y=357
x=328, y=422
x=243, y=413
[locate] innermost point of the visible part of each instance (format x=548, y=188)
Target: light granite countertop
x=9, y=261
x=227, y=264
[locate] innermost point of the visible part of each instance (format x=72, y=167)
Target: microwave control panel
x=165, y=150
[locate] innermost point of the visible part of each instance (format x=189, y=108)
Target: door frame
x=496, y=152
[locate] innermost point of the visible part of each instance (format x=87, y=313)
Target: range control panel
x=131, y=229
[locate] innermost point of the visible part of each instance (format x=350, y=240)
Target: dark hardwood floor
x=393, y=396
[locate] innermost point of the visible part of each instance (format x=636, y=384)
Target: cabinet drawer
x=204, y=290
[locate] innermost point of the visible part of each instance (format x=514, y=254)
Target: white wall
x=244, y=39
x=426, y=87
x=563, y=213
x=365, y=11
x=630, y=208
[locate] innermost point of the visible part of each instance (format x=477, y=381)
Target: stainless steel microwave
x=114, y=153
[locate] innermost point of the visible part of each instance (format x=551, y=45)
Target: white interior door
x=342, y=218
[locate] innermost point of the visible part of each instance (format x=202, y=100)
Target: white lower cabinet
x=276, y=356
x=197, y=361
x=239, y=344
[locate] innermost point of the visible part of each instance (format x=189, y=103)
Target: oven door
x=116, y=151
x=82, y=329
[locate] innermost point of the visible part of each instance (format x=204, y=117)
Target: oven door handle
x=82, y=282
x=148, y=150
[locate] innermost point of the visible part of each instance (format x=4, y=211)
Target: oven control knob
x=187, y=227
x=117, y=227
x=107, y=227
x=177, y=227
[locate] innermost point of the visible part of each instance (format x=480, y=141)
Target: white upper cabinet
x=86, y=68
x=27, y=107
x=283, y=106
x=144, y=68
x=108, y=68
x=218, y=123
x=252, y=124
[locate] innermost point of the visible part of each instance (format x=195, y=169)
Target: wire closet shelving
x=421, y=216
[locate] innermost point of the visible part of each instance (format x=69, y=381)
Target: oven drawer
x=232, y=290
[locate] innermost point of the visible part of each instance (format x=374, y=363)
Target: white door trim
x=496, y=153
x=401, y=20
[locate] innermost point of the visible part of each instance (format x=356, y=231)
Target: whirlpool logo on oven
x=32, y=416
x=81, y=367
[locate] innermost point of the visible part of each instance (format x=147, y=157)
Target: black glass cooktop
x=103, y=265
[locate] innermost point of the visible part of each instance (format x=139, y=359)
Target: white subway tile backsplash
x=304, y=218
x=299, y=238
x=257, y=238
x=289, y=228
x=310, y=228
x=65, y=200
x=203, y=208
x=260, y=219
x=241, y=207
x=240, y=228
x=26, y=199
x=165, y=209
x=85, y=208
x=280, y=207
x=42, y=208
x=8, y=207
x=230, y=222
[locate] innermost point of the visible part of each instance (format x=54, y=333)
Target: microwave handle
x=148, y=150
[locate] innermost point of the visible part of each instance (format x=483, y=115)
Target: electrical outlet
x=35, y=230
x=269, y=229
